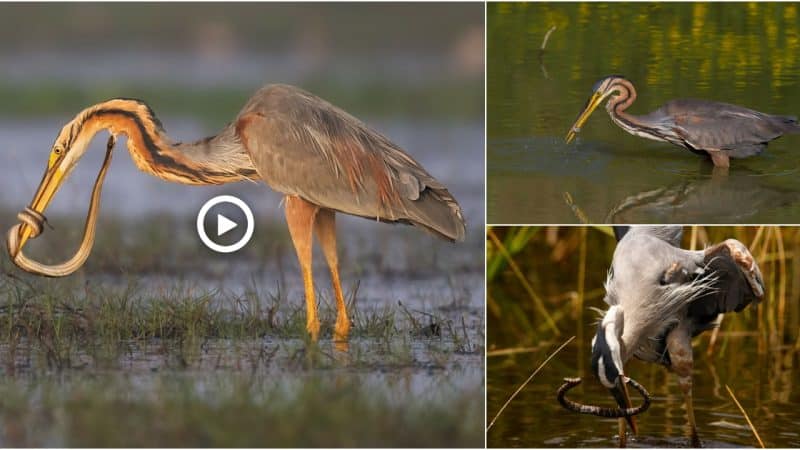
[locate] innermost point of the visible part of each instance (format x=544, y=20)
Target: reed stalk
x=522, y=386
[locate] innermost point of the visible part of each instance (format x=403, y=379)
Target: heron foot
x=342, y=329
x=312, y=326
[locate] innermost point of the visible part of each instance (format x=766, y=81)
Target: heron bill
x=44, y=195
x=592, y=104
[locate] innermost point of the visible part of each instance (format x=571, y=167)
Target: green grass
x=446, y=99
x=62, y=321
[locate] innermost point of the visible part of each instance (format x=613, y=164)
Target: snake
x=35, y=221
x=570, y=405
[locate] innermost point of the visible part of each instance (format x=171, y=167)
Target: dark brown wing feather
x=302, y=145
x=742, y=132
x=732, y=290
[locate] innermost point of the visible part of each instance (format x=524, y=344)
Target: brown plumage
x=292, y=135
x=320, y=157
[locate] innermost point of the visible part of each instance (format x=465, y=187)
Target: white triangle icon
x=224, y=225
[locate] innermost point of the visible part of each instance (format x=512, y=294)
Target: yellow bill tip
x=24, y=234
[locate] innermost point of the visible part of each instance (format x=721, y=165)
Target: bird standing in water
x=321, y=158
x=720, y=131
x=660, y=296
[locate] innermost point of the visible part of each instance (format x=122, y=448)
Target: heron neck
x=631, y=123
x=616, y=106
x=640, y=126
x=215, y=160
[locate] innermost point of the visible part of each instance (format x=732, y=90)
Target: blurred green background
x=208, y=58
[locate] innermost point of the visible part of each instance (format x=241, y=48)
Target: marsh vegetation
x=542, y=282
x=157, y=343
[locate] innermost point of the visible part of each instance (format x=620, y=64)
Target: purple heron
x=321, y=158
x=660, y=296
x=720, y=131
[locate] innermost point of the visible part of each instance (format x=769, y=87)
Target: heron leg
x=679, y=346
x=325, y=227
x=300, y=216
x=720, y=158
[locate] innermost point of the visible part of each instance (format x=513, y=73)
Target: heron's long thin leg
x=720, y=158
x=686, y=385
x=325, y=227
x=300, y=216
x=679, y=346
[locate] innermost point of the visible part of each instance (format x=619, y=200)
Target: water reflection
x=530, y=177
x=717, y=197
x=535, y=419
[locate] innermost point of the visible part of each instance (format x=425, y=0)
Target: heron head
x=607, y=349
x=69, y=146
x=601, y=90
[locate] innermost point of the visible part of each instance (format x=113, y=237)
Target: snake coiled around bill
x=36, y=221
x=601, y=411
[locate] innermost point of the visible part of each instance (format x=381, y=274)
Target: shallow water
x=668, y=51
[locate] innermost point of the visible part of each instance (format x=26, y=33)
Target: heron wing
x=707, y=125
x=738, y=283
x=302, y=145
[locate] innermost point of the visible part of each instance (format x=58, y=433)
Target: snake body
x=35, y=220
x=594, y=410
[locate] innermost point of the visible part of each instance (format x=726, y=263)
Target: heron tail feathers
x=437, y=212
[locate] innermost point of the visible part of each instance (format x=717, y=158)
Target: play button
x=224, y=225
x=230, y=212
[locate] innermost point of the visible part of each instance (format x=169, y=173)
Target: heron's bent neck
x=215, y=160
x=626, y=95
x=616, y=106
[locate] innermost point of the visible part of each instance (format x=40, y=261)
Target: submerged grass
x=102, y=367
x=62, y=322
